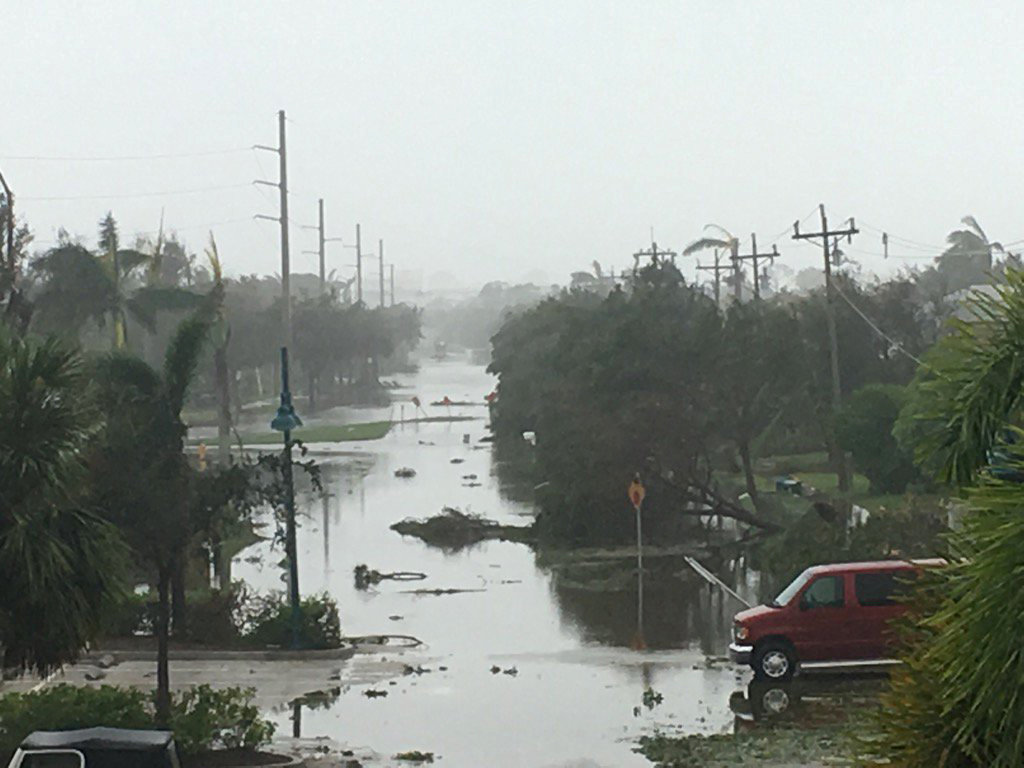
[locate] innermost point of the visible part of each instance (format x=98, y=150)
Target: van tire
x=774, y=660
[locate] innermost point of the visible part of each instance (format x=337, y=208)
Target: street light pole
x=285, y=421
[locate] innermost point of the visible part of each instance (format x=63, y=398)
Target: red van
x=829, y=616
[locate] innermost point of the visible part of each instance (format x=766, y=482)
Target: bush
x=214, y=615
x=131, y=614
x=269, y=622
x=66, y=707
x=202, y=718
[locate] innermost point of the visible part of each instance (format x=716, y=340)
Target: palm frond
x=704, y=244
x=182, y=356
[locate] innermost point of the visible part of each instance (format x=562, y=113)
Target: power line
x=129, y=196
x=119, y=158
x=875, y=328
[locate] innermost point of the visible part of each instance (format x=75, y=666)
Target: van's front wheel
x=774, y=660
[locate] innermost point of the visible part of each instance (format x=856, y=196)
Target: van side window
x=882, y=588
x=824, y=591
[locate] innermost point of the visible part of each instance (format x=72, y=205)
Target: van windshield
x=790, y=592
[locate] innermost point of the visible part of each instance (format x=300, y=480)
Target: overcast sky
x=506, y=140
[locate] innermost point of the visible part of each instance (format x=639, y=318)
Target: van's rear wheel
x=774, y=660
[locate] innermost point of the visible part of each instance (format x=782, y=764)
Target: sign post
x=636, y=497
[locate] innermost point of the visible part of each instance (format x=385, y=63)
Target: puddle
x=577, y=693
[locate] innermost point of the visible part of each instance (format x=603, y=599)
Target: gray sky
x=492, y=140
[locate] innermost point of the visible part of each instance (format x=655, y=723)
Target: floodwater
x=568, y=690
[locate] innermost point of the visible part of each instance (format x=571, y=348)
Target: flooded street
x=567, y=689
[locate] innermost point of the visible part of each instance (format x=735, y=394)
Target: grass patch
x=324, y=433
x=760, y=748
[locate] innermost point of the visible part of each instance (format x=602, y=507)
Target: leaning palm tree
x=79, y=287
x=969, y=258
x=726, y=241
x=958, y=703
x=60, y=564
x=140, y=474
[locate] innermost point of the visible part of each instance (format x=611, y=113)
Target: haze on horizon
x=506, y=140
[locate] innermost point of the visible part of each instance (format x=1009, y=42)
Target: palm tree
x=726, y=241
x=80, y=287
x=141, y=476
x=60, y=564
x=969, y=258
x=957, y=703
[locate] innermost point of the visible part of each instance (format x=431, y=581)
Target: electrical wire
x=897, y=345
x=132, y=195
x=119, y=158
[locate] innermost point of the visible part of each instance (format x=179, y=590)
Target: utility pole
x=380, y=267
x=716, y=269
x=9, y=199
x=392, y=269
x=286, y=419
x=321, y=241
x=754, y=256
x=282, y=185
x=359, y=267
x=654, y=254
x=842, y=470
x=320, y=226
x=737, y=274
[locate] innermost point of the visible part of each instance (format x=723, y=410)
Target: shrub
x=269, y=622
x=132, y=613
x=214, y=615
x=66, y=707
x=202, y=718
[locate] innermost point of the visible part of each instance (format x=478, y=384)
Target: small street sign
x=637, y=492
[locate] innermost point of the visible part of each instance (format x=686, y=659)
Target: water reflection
x=807, y=702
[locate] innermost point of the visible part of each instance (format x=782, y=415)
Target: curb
x=329, y=654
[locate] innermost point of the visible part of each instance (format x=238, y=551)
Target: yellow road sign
x=637, y=492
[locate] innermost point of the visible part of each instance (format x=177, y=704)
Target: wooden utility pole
x=282, y=185
x=754, y=256
x=392, y=269
x=842, y=470
x=654, y=254
x=9, y=203
x=737, y=273
x=716, y=269
x=380, y=269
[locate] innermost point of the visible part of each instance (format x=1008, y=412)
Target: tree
x=78, y=287
x=754, y=375
x=60, y=564
x=969, y=258
x=956, y=702
x=140, y=475
x=864, y=428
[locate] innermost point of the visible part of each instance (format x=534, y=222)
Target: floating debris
x=458, y=460
x=366, y=576
x=455, y=530
x=405, y=472
x=372, y=693
x=416, y=756
x=469, y=477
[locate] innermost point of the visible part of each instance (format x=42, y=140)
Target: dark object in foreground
x=97, y=748
x=456, y=530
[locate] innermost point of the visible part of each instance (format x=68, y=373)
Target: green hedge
x=203, y=719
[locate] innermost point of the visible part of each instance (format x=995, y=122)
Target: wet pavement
x=531, y=666
x=526, y=671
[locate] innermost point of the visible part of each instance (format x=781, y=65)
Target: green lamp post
x=285, y=421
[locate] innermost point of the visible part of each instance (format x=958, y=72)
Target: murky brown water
x=576, y=696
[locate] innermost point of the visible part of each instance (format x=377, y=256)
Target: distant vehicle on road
x=829, y=617
x=97, y=748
